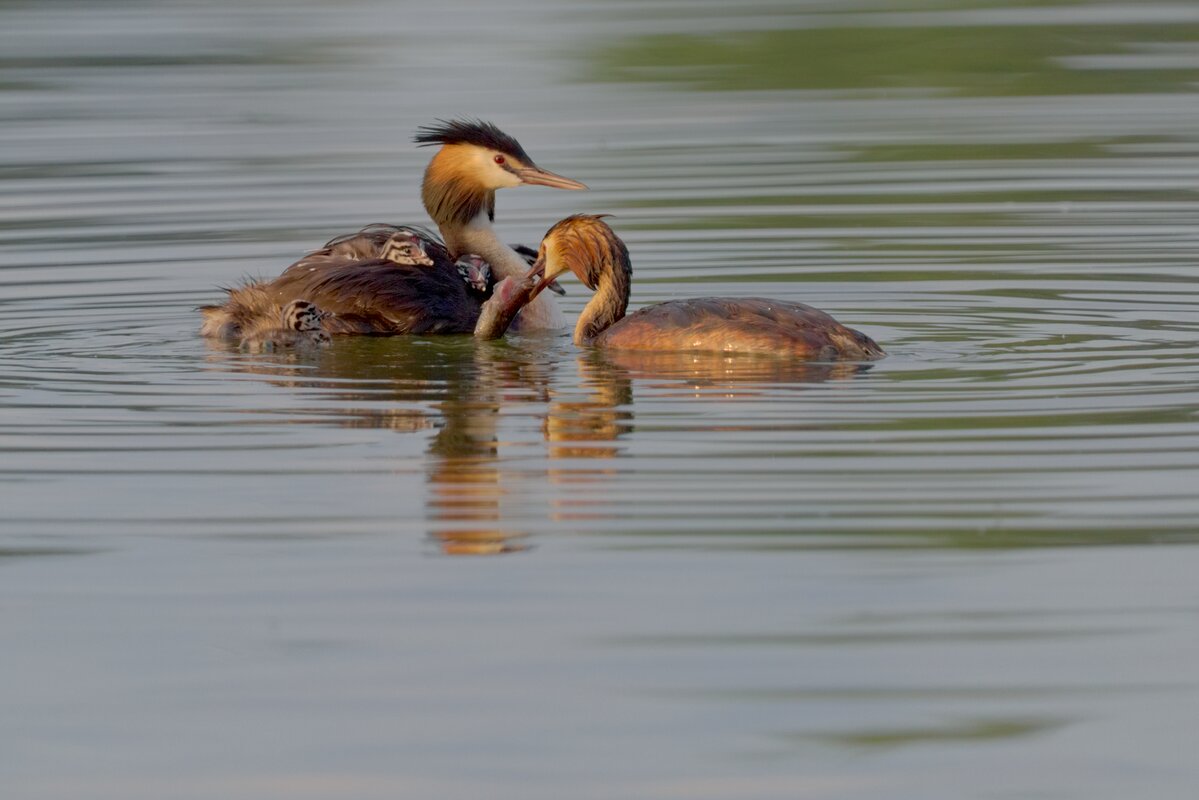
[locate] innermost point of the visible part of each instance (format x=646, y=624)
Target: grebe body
x=739, y=325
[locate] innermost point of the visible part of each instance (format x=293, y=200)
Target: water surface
x=434, y=568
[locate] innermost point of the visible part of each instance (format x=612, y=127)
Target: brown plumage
x=299, y=325
x=588, y=247
x=392, y=280
x=354, y=279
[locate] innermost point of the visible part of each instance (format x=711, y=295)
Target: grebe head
x=491, y=157
x=475, y=271
x=408, y=249
x=476, y=158
x=583, y=244
x=301, y=315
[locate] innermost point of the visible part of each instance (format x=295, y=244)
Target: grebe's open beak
x=542, y=177
x=536, y=281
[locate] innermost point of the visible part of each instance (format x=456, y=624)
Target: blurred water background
x=968, y=571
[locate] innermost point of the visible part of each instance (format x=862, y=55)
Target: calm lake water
x=434, y=568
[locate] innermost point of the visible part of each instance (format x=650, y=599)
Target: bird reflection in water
x=465, y=505
x=583, y=426
x=586, y=422
x=452, y=386
x=459, y=387
x=722, y=376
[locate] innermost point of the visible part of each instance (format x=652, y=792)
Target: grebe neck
x=606, y=307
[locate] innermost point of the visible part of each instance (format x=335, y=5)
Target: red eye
x=499, y=159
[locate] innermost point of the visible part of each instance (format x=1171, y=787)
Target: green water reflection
x=954, y=731
x=998, y=60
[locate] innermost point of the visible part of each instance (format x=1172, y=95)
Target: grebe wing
x=381, y=296
x=529, y=254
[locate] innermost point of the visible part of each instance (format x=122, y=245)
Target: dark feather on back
x=529, y=254
x=365, y=293
x=382, y=297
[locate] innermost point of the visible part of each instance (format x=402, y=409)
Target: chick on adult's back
x=298, y=326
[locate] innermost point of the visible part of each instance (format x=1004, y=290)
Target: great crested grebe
x=298, y=325
x=389, y=280
x=588, y=247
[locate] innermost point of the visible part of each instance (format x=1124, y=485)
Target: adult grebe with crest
x=389, y=279
x=587, y=246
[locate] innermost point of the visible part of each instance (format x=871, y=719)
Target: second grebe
x=387, y=279
x=585, y=245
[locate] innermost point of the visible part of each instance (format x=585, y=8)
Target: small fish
x=507, y=298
